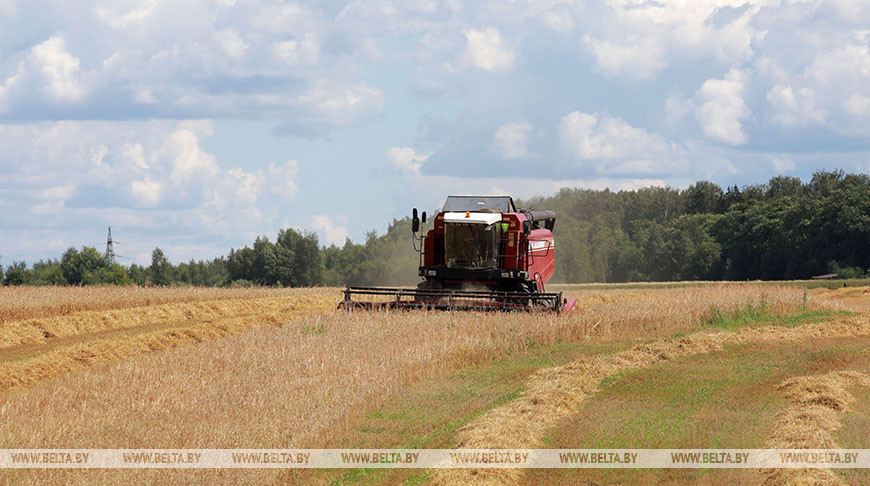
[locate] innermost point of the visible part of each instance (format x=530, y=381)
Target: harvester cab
x=481, y=254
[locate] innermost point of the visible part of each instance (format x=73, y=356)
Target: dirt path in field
x=553, y=394
x=818, y=404
x=33, y=350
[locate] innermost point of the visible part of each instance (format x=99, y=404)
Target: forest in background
x=784, y=229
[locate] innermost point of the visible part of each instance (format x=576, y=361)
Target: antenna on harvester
x=110, y=248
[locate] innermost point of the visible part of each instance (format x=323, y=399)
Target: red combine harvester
x=483, y=254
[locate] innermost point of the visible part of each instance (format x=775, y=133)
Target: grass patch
x=751, y=313
x=428, y=415
x=759, y=315
x=312, y=327
x=723, y=400
x=756, y=314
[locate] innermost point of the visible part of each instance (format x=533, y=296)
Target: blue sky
x=196, y=126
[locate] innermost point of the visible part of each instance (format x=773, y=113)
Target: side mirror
x=527, y=227
x=415, y=221
x=424, y=217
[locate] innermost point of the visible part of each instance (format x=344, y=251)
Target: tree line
x=784, y=229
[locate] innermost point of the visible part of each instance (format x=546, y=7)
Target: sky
x=196, y=126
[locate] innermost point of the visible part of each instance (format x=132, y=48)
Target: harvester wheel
x=423, y=296
x=549, y=303
x=519, y=301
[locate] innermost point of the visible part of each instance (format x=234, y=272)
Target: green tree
x=240, y=264
x=307, y=267
x=47, y=273
x=76, y=264
x=160, y=269
x=112, y=275
x=70, y=266
x=698, y=252
x=138, y=274
x=16, y=274
x=825, y=182
x=783, y=186
x=703, y=197
x=732, y=197
x=753, y=192
x=214, y=273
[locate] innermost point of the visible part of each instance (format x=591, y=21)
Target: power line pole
x=110, y=248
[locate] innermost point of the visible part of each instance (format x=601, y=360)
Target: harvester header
x=481, y=254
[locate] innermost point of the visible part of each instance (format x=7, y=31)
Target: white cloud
x=812, y=69
x=722, y=108
x=190, y=160
x=794, y=108
x=295, y=52
x=769, y=68
x=844, y=66
x=282, y=179
x=782, y=164
x=9, y=7
x=629, y=168
x=142, y=59
x=613, y=148
x=580, y=135
x=858, y=105
x=637, y=57
x=87, y=179
x=280, y=18
x=144, y=95
x=58, y=192
x=232, y=43
x=47, y=208
x=406, y=160
x=136, y=154
x=332, y=234
x=126, y=20
x=589, y=136
x=147, y=192
x=99, y=153
x=7, y=87
x=511, y=140
x=59, y=68
x=341, y=104
x=486, y=51
x=237, y=190
x=677, y=108
x=152, y=176
x=639, y=39
x=558, y=21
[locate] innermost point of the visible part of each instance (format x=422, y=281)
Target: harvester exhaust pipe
x=548, y=217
